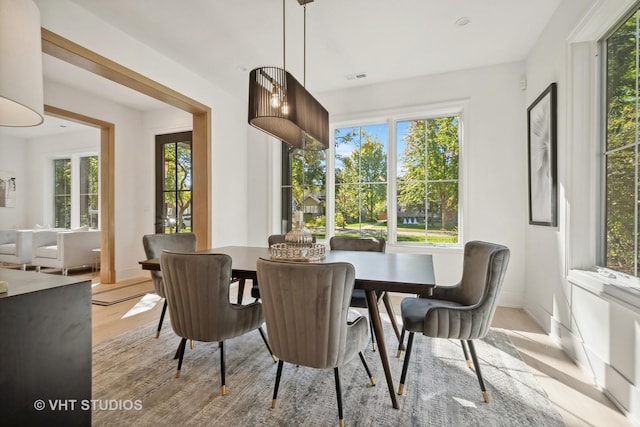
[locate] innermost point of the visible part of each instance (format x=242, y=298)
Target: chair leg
x=339, y=396
x=275, y=389
x=181, y=347
x=405, y=365
x=366, y=368
x=392, y=316
x=164, y=310
x=466, y=353
x=223, y=388
x=472, y=349
x=241, y=283
x=373, y=336
x=400, y=343
x=266, y=342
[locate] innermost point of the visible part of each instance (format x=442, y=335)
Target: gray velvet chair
x=255, y=290
x=359, y=298
x=154, y=244
x=197, y=291
x=305, y=309
x=464, y=311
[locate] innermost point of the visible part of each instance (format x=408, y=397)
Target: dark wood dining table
x=375, y=271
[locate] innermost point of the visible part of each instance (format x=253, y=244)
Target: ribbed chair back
x=154, y=244
x=197, y=289
x=305, y=308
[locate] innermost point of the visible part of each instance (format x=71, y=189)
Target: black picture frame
x=542, y=154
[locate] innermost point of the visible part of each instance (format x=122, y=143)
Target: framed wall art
x=542, y=149
x=7, y=189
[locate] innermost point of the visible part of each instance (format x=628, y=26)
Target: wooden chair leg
x=181, y=347
x=266, y=342
x=405, y=365
x=392, y=317
x=339, y=396
x=466, y=353
x=164, y=310
x=373, y=336
x=366, y=368
x=472, y=350
x=223, y=389
x=241, y=283
x=275, y=389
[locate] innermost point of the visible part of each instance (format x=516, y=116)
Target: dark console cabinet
x=45, y=360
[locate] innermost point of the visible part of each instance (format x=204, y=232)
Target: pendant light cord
x=284, y=39
x=304, y=47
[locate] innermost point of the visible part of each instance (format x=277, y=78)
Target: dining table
x=407, y=273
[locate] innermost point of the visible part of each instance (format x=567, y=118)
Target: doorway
x=73, y=53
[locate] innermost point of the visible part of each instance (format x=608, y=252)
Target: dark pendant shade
x=280, y=106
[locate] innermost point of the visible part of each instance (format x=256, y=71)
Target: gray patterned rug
x=134, y=384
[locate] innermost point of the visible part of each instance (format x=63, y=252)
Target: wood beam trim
x=73, y=53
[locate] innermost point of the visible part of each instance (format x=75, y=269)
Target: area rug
x=134, y=383
x=122, y=293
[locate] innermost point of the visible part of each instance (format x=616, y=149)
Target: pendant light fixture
x=280, y=106
x=21, y=96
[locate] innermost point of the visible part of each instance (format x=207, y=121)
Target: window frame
x=603, y=152
x=391, y=118
x=74, y=159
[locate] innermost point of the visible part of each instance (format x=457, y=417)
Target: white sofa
x=15, y=247
x=64, y=249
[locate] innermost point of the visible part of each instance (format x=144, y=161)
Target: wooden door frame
x=68, y=51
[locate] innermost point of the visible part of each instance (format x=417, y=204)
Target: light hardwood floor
x=579, y=402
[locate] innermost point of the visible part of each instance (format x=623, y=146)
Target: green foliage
x=361, y=177
x=429, y=169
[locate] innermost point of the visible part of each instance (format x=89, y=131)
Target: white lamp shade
x=21, y=96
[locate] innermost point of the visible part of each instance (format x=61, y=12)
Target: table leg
x=382, y=348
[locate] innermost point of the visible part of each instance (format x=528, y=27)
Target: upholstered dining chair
x=255, y=290
x=154, y=244
x=197, y=290
x=464, y=311
x=305, y=309
x=359, y=298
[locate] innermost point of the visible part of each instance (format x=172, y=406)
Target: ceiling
x=383, y=39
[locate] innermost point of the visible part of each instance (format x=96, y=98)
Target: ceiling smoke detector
x=356, y=76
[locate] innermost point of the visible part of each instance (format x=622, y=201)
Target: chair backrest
x=154, y=244
x=197, y=292
x=345, y=243
x=280, y=238
x=483, y=272
x=305, y=309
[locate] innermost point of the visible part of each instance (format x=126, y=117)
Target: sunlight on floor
x=146, y=303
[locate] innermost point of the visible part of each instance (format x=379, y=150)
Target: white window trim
x=391, y=118
x=584, y=123
x=75, y=186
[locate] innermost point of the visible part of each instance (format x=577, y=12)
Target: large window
x=361, y=180
x=620, y=148
x=402, y=185
x=76, y=191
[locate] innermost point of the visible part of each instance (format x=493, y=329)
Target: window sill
x=607, y=286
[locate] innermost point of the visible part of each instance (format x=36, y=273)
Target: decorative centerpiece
x=298, y=244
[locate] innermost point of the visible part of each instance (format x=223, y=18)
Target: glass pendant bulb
x=275, y=100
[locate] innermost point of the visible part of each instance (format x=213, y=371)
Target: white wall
x=597, y=327
x=13, y=154
x=229, y=132
x=494, y=155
